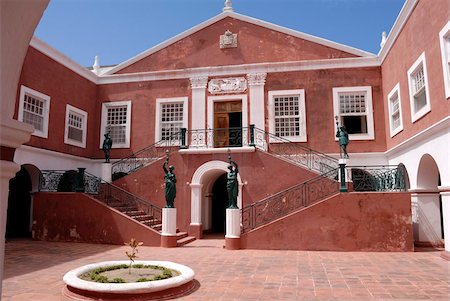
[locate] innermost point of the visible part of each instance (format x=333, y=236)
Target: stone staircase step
x=124, y=208
x=134, y=213
x=143, y=217
x=181, y=235
x=185, y=241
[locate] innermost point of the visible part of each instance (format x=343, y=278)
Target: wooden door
x=222, y=111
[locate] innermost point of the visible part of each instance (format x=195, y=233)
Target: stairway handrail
x=170, y=144
x=295, y=144
x=250, y=217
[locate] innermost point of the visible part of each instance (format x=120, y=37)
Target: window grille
x=350, y=103
x=116, y=123
x=418, y=80
x=33, y=112
x=171, y=119
x=75, y=127
x=287, y=116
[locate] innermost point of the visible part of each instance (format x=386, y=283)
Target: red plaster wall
x=143, y=109
x=320, y=122
x=256, y=44
x=64, y=86
x=77, y=217
x=345, y=222
x=420, y=34
x=264, y=174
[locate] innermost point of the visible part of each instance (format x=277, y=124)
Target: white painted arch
x=201, y=186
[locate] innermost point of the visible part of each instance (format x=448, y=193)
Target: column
x=233, y=229
x=169, y=228
x=198, y=120
x=256, y=82
x=195, y=228
x=445, y=197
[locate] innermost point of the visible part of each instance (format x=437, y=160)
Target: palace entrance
x=219, y=201
x=228, y=124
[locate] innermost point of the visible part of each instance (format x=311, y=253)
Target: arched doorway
x=427, y=205
x=208, y=197
x=19, y=205
x=219, y=200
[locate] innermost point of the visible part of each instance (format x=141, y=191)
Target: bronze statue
x=232, y=184
x=107, y=144
x=343, y=141
x=170, y=181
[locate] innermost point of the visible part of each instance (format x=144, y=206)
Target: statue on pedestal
x=343, y=141
x=232, y=184
x=107, y=144
x=170, y=183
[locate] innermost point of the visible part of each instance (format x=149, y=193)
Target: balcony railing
x=378, y=178
x=218, y=138
x=289, y=200
x=68, y=181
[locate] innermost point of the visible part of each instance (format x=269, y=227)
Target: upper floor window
x=116, y=119
x=353, y=109
x=287, y=118
x=171, y=116
x=444, y=37
x=34, y=108
x=76, y=126
x=395, y=111
x=418, y=88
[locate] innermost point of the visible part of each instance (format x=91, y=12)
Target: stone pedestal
x=169, y=228
x=343, y=175
x=233, y=229
x=107, y=172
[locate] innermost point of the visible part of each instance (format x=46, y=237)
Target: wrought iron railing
x=68, y=181
x=378, y=178
x=147, y=155
x=289, y=200
x=218, y=138
x=293, y=152
x=117, y=197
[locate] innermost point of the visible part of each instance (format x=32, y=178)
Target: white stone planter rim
x=72, y=279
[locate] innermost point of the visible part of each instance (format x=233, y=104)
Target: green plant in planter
x=133, y=244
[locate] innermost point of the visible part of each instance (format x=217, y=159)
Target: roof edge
x=61, y=58
x=396, y=29
x=244, y=18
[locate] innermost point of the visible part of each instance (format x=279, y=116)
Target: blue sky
x=117, y=30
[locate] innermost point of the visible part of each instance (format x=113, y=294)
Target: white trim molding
x=420, y=62
x=302, y=137
x=370, y=135
x=444, y=39
x=25, y=91
x=105, y=106
x=173, y=100
x=84, y=117
x=395, y=95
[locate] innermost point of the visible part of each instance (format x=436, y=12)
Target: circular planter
x=78, y=289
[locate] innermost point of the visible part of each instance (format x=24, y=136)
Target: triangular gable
x=149, y=57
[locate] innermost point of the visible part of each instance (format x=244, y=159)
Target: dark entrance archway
x=219, y=204
x=19, y=206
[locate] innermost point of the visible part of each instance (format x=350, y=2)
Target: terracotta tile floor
x=34, y=270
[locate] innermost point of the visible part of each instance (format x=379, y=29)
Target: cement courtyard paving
x=34, y=270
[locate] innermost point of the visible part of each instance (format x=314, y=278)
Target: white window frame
x=444, y=38
x=105, y=107
x=302, y=137
x=84, y=115
x=159, y=102
x=41, y=96
x=395, y=91
x=370, y=135
x=423, y=111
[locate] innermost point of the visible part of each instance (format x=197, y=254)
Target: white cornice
x=244, y=18
x=62, y=59
x=240, y=69
x=440, y=126
x=399, y=23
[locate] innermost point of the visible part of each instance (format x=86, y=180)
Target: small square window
x=171, y=116
x=76, y=127
x=418, y=88
x=116, y=120
x=395, y=111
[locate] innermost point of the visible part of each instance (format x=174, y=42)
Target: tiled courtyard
x=34, y=270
